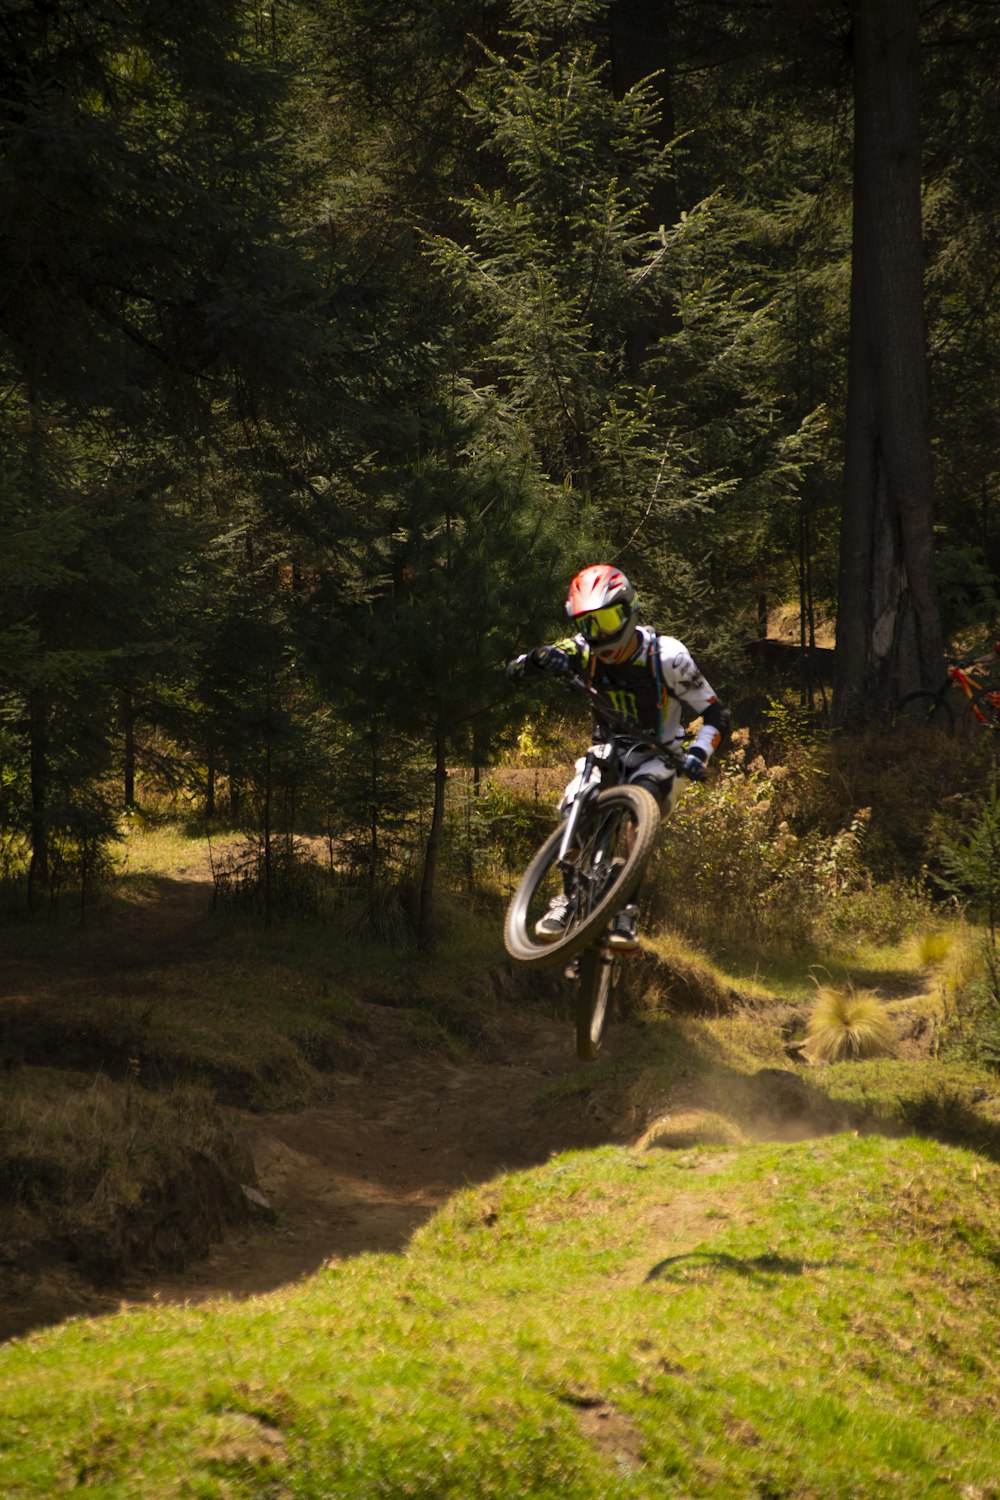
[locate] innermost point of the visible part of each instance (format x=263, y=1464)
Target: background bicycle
x=970, y=675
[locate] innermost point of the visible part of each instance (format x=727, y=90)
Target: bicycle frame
x=601, y=757
x=960, y=674
x=573, y=822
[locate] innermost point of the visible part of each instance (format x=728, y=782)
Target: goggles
x=602, y=623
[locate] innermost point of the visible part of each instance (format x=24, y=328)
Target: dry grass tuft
x=690, y=1127
x=848, y=1024
x=120, y=1176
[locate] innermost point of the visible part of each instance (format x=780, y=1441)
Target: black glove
x=515, y=669
x=552, y=659
x=693, y=767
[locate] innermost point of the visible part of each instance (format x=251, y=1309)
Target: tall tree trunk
x=374, y=851
x=267, y=812
x=266, y=818
x=38, y=772
x=888, y=625
x=235, y=791
x=127, y=708
x=424, y=926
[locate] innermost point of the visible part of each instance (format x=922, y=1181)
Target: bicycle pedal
x=572, y=970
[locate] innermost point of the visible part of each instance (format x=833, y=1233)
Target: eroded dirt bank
x=359, y=1172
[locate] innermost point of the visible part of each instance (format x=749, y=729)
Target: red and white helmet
x=603, y=607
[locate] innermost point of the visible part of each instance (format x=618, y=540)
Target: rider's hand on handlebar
x=543, y=659
x=553, y=660
x=693, y=767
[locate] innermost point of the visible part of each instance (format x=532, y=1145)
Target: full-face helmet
x=603, y=608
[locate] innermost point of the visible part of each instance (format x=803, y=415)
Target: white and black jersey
x=651, y=688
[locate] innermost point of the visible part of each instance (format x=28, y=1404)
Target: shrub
x=281, y=881
x=383, y=915
x=933, y=948
x=746, y=867
x=971, y=867
x=492, y=833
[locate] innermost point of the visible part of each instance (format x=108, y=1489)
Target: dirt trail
x=362, y=1171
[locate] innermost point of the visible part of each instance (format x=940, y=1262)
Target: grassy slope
x=813, y=1319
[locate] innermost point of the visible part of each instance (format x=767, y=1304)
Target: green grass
x=257, y=1026
x=110, y=1174
x=125, y=1043
x=162, y=848
x=808, y=1320
x=731, y=1066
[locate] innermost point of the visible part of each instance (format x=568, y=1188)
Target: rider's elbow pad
x=717, y=717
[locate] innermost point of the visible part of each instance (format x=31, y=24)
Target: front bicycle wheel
x=598, y=978
x=615, y=839
x=923, y=710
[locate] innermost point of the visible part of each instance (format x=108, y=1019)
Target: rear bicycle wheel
x=599, y=974
x=923, y=710
x=615, y=839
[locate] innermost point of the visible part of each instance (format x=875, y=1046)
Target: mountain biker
x=646, y=677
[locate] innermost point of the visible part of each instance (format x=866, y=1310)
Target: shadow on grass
x=758, y=1268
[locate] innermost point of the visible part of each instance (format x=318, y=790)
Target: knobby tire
x=598, y=976
x=923, y=710
x=634, y=803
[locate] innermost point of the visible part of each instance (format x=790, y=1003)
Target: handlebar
x=985, y=660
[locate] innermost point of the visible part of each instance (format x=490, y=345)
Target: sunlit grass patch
x=161, y=849
x=953, y=1101
x=960, y=973
x=690, y=1127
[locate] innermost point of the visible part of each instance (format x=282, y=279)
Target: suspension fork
x=569, y=845
x=588, y=791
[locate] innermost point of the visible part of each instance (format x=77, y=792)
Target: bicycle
x=597, y=857
x=930, y=707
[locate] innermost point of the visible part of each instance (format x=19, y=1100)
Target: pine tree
x=409, y=628
x=670, y=456
x=155, y=315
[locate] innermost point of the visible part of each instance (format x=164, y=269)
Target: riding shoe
x=553, y=924
x=622, y=937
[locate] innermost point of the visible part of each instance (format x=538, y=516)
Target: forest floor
x=358, y=1172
